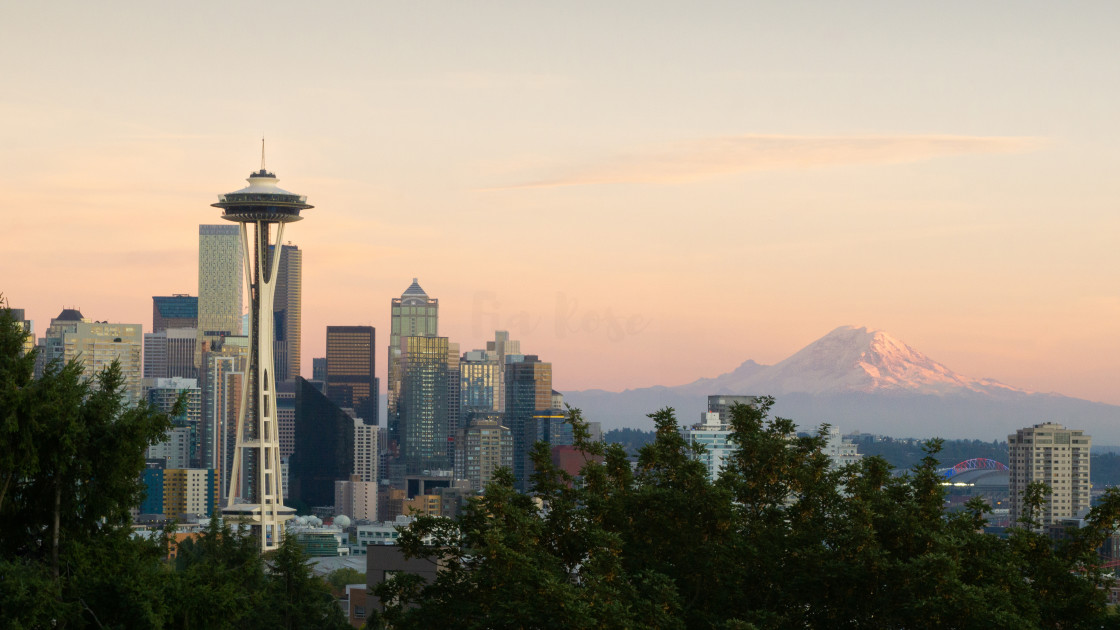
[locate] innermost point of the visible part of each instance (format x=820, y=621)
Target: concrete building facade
x=1054, y=455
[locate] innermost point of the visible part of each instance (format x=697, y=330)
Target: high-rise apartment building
x=481, y=448
x=423, y=405
x=189, y=491
x=96, y=345
x=528, y=391
x=174, y=311
x=163, y=393
x=220, y=280
x=413, y=314
x=51, y=346
x=287, y=313
x=715, y=436
x=367, y=451
x=1056, y=456
x=350, y=369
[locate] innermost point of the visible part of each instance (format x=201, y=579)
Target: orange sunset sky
x=641, y=192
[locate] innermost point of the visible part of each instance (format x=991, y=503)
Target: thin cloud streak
x=693, y=160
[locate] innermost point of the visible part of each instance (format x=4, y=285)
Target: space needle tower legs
x=255, y=491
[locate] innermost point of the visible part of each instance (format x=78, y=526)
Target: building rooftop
x=414, y=290
x=70, y=315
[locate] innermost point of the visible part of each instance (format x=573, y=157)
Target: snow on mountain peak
x=851, y=359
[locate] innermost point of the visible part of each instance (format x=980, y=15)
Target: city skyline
x=658, y=193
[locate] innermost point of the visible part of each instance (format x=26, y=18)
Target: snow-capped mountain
x=851, y=359
x=866, y=380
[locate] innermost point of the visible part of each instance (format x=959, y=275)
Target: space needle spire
x=255, y=491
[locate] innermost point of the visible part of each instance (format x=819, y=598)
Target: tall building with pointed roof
x=413, y=314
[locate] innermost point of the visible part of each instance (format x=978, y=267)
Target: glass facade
x=528, y=391
x=423, y=404
x=350, y=368
x=174, y=311
x=220, y=281
x=414, y=314
x=287, y=313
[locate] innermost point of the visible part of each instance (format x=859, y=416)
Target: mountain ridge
x=867, y=380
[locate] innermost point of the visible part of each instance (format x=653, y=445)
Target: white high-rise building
x=1056, y=456
x=367, y=452
x=714, y=435
x=96, y=345
x=842, y=452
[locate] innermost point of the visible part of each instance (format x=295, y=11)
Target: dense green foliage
x=71, y=457
x=780, y=540
x=904, y=453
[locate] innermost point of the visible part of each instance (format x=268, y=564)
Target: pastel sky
x=642, y=192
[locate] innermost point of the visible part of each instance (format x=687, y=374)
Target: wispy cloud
x=710, y=157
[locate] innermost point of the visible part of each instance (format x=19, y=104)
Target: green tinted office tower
x=528, y=391
x=413, y=314
x=220, y=280
x=423, y=404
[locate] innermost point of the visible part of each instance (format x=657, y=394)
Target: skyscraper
x=413, y=314
x=163, y=393
x=287, y=313
x=1056, y=456
x=453, y=400
x=422, y=407
x=220, y=280
x=528, y=391
x=324, y=436
x=481, y=448
x=222, y=375
x=501, y=347
x=351, y=352
x=259, y=501
x=174, y=311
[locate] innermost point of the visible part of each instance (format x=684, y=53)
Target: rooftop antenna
x=262, y=154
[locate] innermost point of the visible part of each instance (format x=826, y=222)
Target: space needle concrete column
x=255, y=493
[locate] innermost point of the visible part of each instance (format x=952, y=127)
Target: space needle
x=255, y=493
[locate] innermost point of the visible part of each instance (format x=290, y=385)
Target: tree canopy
x=782, y=539
x=71, y=458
